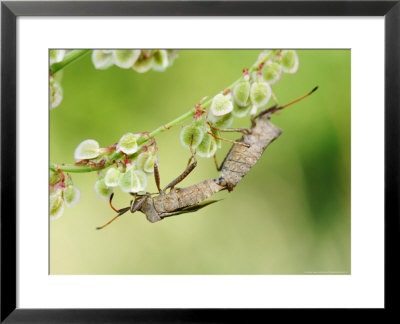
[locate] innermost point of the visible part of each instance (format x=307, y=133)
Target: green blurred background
x=289, y=215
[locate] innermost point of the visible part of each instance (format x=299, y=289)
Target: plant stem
x=167, y=126
x=116, y=155
x=68, y=58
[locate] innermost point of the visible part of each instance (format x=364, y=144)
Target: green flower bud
x=133, y=181
x=224, y=121
x=221, y=105
x=143, y=63
x=207, y=147
x=71, y=195
x=101, y=189
x=272, y=72
x=56, y=56
x=191, y=136
x=102, y=59
x=56, y=205
x=260, y=93
x=240, y=111
x=125, y=58
x=54, y=177
x=56, y=93
x=128, y=143
x=160, y=60
x=241, y=93
x=88, y=149
x=111, y=178
x=145, y=162
x=289, y=61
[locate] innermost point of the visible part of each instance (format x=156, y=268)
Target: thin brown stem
x=227, y=140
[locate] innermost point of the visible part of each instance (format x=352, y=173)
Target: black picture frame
x=9, y=13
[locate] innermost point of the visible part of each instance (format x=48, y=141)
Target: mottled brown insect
x=180, y=201
x=240, y=159
x=247, y=151
x=243, y=155
x=177, y=201
x=237, y=163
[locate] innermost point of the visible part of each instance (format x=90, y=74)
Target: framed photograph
x=197, y=161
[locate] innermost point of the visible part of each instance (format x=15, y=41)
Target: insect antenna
x=275, y=108
x=111, y=205
x=298, y=99
x=121, y=212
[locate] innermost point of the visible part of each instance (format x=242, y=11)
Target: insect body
x=180, y=201
x=247, y=150
x=177, y=201
x=240, y=158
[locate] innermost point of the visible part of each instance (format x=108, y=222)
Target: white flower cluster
x=130, y=173
x=252, y=92
x=139, y=60
x=62, y=192
x=56, y=93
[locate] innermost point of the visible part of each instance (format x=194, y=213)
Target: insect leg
x=157, y=176
x=219, y=168
x=215, y=162
x=138, y=203
x=120, y=212
x=237, y=130
x=184, y=174
x=229, y=141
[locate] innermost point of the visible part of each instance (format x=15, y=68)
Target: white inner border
x=363, y=288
